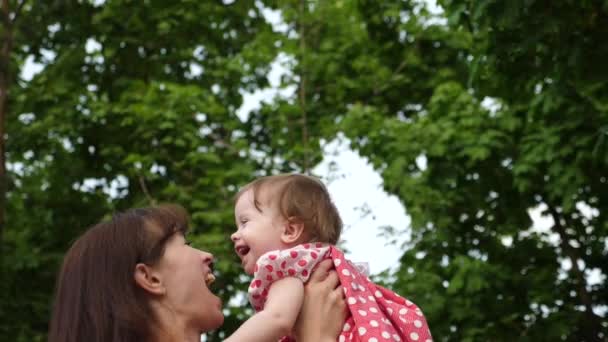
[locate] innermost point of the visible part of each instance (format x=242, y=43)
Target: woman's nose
x=207, y=257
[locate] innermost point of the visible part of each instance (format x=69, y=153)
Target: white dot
x=408, y=303
x=378, y=294
x=362, y=331
x=352, y=300
x=403, y=311
x=345, y=290
x=342, y=338
x=346, y=327
x=390, y=311
x=354, y=286
x=337, y=262
x=417, y=323
x=396, y=338
x=362, y=313
x=374, y=310
x=371, y=298
x=418, y=312
x=345, y=272
x=362, y=300
x=373, y=339
x=374, y=323
x=386, y=335
x=414, y=336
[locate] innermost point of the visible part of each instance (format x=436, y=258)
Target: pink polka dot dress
x=376, y=314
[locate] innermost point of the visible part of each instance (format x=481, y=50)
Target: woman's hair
x=301, y=197
x=97, y=298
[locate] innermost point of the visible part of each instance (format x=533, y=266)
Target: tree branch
x=18, y=11
x=574, y=256
x=144, y=189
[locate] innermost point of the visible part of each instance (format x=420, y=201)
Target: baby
x=286, y=224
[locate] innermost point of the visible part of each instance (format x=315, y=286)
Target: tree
x=135, y=105
x=474, y=118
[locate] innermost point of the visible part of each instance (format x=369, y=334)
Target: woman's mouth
x=209, y=279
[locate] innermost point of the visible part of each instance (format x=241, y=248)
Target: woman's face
x=185, y=272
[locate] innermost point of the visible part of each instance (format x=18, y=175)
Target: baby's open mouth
x=242, y=250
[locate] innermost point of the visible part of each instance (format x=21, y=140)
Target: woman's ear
x=148, y=279
x=293, y=230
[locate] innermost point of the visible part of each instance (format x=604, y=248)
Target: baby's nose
x=234, y=236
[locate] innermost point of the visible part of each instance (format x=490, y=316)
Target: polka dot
x=417, y=324
x=345, y=290
x=362, y=313
x=428, y=340
x=374, y=323
x=342, y=338
x=373, y=339
x=418, y=312
x=374, y=310
x=352, y=301
x=346, y=327
x=337, y=262
x=371, y=298
x=403, y=311
x=414, y=336
x=386, y=335
x=408, y=303
x=362, y=331
x=396, y=337
x=378, y=294
x=354, y=285
x=390, y=311
x=345, y=272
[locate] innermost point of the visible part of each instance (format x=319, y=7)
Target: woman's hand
x=324, y=308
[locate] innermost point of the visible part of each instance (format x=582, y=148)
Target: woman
x=135, y=278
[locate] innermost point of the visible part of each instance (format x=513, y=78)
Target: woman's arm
x=324, y=310
x=279, y=315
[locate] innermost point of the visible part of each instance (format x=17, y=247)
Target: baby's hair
x=301, y=197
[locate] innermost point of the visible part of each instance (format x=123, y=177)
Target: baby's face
x=258, y=230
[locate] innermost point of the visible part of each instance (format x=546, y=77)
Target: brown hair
x=97, y=298
x=302, y=197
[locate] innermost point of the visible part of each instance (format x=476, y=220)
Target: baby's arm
x=279, y=315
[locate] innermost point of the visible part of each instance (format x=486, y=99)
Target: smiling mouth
x=209, y=279
x=242, y=251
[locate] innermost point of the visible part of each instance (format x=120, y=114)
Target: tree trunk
x=6, y=42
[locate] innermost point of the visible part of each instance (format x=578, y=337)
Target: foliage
x=473, y=117
x=136, y=104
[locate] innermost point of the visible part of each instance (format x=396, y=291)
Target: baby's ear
x=292, y=231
